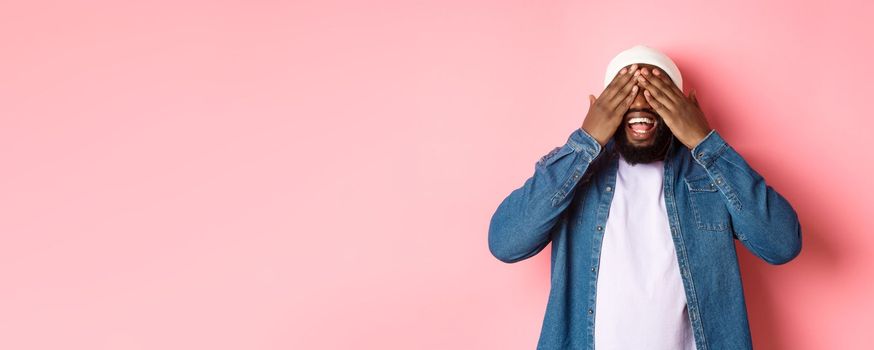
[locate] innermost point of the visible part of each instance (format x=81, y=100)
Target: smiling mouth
x=642, y=124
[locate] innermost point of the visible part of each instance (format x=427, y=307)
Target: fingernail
x=634, y=88
x=636, y=73
x=644, y=71
x=623, y=71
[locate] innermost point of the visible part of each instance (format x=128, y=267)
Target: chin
x=643, y=151
x=639, y=145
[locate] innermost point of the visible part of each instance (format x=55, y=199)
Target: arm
x=520, y=227
x=762, y=219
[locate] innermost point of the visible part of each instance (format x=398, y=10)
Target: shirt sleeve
x=762, y=219
x=520, y=227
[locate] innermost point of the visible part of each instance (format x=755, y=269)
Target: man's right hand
x=606, y=112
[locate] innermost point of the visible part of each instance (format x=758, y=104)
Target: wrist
x=699, y=136
x=700, y=140
x=596, y=134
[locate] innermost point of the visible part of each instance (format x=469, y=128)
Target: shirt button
x=593, y=269
x=600, y=228
x=590, y=311
x=609, y=188
x=719, y=181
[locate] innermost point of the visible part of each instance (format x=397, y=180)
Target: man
x=642, y=205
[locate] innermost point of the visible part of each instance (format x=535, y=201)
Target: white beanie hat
x=643, y=54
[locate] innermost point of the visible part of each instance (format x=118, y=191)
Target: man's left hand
x=681, y=113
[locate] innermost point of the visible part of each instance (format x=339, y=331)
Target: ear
x=591, y=100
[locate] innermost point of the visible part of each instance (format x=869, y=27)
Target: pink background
x=320, y=175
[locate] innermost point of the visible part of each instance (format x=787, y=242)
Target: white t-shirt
x=640, y=301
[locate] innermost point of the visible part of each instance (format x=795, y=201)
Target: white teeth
x=640, y=132
x=640, y=120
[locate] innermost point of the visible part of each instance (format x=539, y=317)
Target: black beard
x=635, y=154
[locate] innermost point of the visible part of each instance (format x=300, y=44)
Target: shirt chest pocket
x=707, y=204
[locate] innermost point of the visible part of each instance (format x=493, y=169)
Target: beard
x=644, y=154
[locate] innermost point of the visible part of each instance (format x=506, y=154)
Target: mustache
x=642, y=110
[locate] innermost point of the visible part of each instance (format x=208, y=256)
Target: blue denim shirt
x=713, y=197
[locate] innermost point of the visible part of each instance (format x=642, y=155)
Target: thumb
x=694, y=96
x=591, y=100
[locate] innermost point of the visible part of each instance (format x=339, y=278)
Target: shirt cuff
x=709, y=148
x=581, y=141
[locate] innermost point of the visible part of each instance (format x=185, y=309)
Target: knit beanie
x=643, y=54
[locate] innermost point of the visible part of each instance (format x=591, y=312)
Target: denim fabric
x=713, y=197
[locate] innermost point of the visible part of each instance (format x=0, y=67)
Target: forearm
x=520, y=227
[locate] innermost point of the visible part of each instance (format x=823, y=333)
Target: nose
x=640, y=100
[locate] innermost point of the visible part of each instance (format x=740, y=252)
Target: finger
x=655, y=104
x=668, y=81
x=661, y=85
x=656, y=93
x=629, y=99
x=664, y=83
x=622, y=94
x=621, y=78
x=616, y=79
x=693, y=95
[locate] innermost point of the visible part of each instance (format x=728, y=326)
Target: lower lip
x=638, y=136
